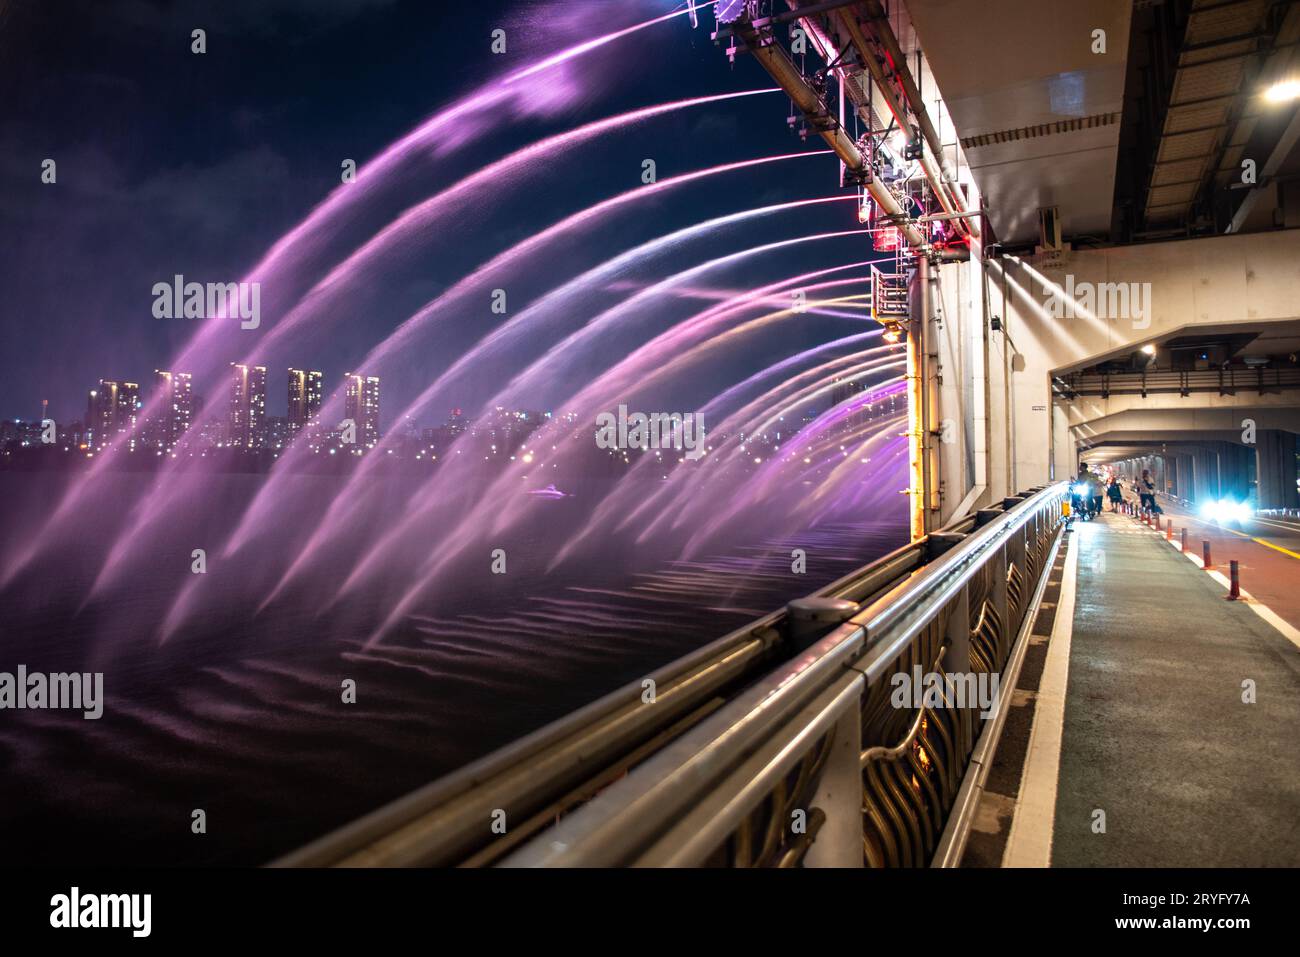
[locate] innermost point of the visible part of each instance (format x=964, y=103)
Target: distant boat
x=549, y=492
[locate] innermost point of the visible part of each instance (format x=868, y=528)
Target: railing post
x=936, y=543
x=838, y=842
x=1036, y=531
x=957, y=630
x=956, y=659
x=998, y=595
x=813, y=617
x=1015, y=555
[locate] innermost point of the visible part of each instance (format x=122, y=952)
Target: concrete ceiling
x=1036, y=110
x=1218, y=49
x=1118, y=451
x=1269, y=338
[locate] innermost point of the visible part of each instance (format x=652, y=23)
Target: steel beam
x=772, y=56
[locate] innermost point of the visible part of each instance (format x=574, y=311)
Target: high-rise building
x=276, y=432
x=94, y=418
x=175, y=397
x=843, y=390
x=247, y=418
x=111, y=411
x=305, y=392
x=361, y=405
x=128, y=408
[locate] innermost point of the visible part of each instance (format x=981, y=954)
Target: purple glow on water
x=341, y=534
x=619, y=559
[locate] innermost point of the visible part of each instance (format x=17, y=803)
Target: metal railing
x=1222, y=381
x=818, y=762
x=547, y=788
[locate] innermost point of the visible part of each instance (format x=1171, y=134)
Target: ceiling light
x=1149, y=349
x=1283, y=92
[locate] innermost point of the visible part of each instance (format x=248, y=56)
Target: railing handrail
x=893, y=620
x=440, y=823
x=565, y=734
x=629, y=815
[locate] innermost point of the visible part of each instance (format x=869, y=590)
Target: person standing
x=1147, y=491
x=1114, y=493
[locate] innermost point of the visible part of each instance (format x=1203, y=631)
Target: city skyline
x=115, y=410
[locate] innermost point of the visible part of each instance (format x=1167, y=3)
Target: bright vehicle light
x=1080, y=489
x=1225, y=510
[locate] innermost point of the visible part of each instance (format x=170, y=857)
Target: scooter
x=1083, y=503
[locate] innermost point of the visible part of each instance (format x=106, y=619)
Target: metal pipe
x=900, y=111
x=937, y=217
x=927, y=395
x=916, y=423
x=865, y=54
x=795, y=13
x=777, y=62
x=884, y=33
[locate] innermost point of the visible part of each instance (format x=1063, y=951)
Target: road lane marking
x=1233, y=531
x=1279, y=548
x=1287, y=630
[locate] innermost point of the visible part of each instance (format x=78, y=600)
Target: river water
x=242, y=716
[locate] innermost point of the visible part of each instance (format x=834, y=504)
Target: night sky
x=171, y=162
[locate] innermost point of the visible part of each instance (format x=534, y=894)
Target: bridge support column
x=1275, y=469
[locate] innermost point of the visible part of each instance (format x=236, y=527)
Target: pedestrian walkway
x=1162, y=727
